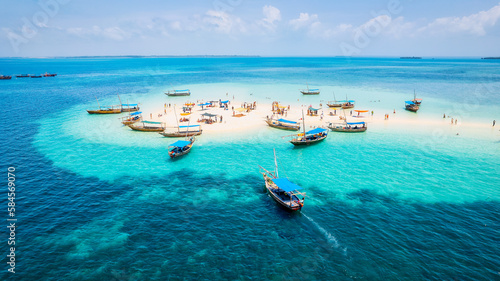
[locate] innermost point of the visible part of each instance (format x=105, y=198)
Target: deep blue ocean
x=95, y=201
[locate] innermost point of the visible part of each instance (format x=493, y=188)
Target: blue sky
x=242, y=27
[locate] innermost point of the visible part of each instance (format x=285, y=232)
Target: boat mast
x=98, y=105
x=120, y=100
x=303, y=123
x=334, y=98
x=175, y=114
x=275, y=164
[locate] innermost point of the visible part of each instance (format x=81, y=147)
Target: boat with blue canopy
x=178, y=93
x=132, y=118
x=309, y=137
x=310, y=91
x=180, y=147
x=349, y=127
x=283, y=124
x=282, y=190
x=411, y=106
x=147, y=126
x=184, y=131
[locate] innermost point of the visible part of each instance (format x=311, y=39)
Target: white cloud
x=304, y=20
x=474, y=24
x=272, y=15
x=222, y=22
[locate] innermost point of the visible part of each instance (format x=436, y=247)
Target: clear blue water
x=99, y=202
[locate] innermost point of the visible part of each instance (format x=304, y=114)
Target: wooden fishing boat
x=180, y=148
x=132, y=118
x=411, y=106
x=49, y=74
x=184, y=133
x=334, y=103
x=178, y=93
x=283, y=124
x=4, y=77
x=310, y=91
x=105, y=110
x=348, y=104
x=36, y=76
x=282, y=190
x=147, y=126
x=349, y=127
x=23, y=76
x=309, y=137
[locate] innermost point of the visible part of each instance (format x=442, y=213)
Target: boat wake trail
x=327, y=234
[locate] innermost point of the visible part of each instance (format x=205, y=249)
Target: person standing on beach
x=394, y=111
x=494, y=122
x=444, y=115
x=451, y=121
x=456, y=120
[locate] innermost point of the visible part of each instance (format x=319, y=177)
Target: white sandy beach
x=255, y=119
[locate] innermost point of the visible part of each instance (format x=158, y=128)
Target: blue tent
x=316, y=131
x=286, y=185
x=287, y=121
x=180, y=143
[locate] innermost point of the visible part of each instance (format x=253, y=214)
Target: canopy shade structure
x=180, y=143
x=351, y=101
x=129, y=104
x=180, y=91
x=151, y=122
x=186, y=113
x=136, y=113
x=316, y=131
x=190, y=126
x=287, y=121
x=286, y=185
x=361, y=111
x=209, y=115
x=313, y=109
x=226, y=101
x=355, y=123
x=417, y=99
x=409, y=102
x=204, y=104
x=241, y=109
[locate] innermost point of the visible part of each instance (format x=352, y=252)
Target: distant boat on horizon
x=4, y=77
x=411, y=58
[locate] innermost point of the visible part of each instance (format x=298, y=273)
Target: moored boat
x=181, y=147
x=283, y=124
x=147, y=126
x=282, y=190
x=186, y=132
x=347, y=104
x=309, y=137
x=5, y=77
x=105, y=110
x=349, y=127
x=411, y=106
x=49, y=74
x=334, y=103
x=177, y=93
x=23, y=76
x=132, y=118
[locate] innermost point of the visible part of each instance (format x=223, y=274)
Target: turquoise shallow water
x=99, y=202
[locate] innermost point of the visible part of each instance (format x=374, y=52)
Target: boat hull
x=283, y=127
x=145, y=128
x=302, y=141
x=348, y=130
x=178, y=95
x=334, y=105
x=114, y=111
x=412, y=108
x=181, y=134
x=309, y=93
